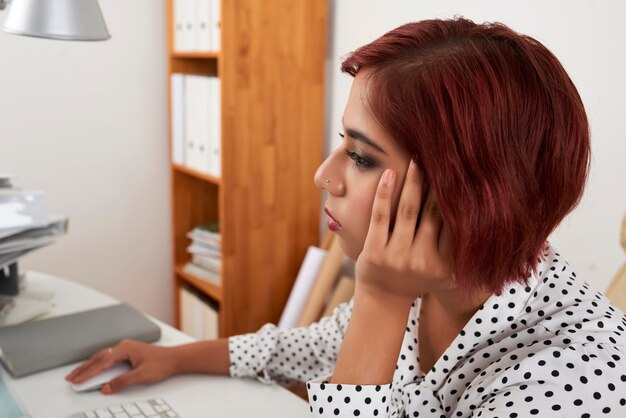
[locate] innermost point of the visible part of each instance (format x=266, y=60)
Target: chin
x=349, y=249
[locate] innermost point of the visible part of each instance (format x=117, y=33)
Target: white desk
x=48, y=395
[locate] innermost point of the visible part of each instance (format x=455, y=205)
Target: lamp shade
x=72, y=20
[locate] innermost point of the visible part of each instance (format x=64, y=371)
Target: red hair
x=498, y=128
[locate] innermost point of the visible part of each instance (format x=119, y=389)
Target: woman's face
x=351, y=172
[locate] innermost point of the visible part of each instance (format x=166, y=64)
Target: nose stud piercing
x=327, y=181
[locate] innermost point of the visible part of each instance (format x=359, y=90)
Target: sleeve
x=288, y=356
x=340, y=400
x=578, y=381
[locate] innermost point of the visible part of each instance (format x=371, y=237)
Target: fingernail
x=388, y=176
x=106, y=389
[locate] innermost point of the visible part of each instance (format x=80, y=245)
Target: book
x=204, y=250
x=39, y=345
x=206, y=245
x=207, y=239
x=209, y=230
x=207, y=263
x=202, y=273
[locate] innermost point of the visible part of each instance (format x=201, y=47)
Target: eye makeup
x=360, y=160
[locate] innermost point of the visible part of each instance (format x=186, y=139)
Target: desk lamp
x=70, y=20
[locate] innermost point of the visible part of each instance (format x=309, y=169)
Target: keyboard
x=153, y=408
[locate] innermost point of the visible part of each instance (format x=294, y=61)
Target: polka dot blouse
x=552, y=348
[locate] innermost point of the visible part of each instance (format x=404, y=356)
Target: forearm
x=373, y=339
x=210, y=357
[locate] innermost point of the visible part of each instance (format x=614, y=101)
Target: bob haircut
x=497, y=127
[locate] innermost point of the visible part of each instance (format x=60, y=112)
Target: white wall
x=588, y=37
x=87, y=123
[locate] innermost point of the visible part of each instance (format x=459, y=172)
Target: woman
x=465, y=145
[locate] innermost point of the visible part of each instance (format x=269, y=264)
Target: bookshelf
x=271, y=69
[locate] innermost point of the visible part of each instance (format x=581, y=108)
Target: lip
x=333, y=224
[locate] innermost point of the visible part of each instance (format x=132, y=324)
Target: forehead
x=359, y=116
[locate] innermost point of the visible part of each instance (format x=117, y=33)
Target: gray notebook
x=40, y=345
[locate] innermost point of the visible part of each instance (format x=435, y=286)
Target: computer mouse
x=97, y=381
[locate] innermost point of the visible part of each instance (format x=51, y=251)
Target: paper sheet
x=302, y=287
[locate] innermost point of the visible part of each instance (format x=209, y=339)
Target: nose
x=328, y=176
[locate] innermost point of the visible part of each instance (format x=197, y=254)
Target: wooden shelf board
x=211, y=290
x=197, y=55
x=196, y=174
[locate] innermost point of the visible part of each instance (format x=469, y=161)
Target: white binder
x=178, y=121
x=197, y=122
x=202, y=124
x=215, y=134
x=179, y=25
x=198, y=318
x=192, y=140
x=215, y=33
x=203, y=24
x=184, y=16
x=203, y=121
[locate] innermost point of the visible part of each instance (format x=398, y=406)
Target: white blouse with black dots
x=554, y=348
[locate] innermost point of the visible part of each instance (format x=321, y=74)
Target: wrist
x=175, y=357
x=375, y=331
x=376, y=301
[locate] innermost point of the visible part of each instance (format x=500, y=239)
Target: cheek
x=361, y=213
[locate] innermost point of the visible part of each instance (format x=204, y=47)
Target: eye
x=361, y=162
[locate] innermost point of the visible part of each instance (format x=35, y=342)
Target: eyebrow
x=360, y=136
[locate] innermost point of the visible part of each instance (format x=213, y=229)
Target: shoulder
x=571, y=381
x=560, y=303
x=564, y=347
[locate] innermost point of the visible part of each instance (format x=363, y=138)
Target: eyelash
x=361, y=162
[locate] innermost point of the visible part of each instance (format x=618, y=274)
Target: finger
x=118, y=384
x=99, y=364
x=408, y=208
x=430, y=224
x=93, y=369
x=86, y=364
x=378, y=232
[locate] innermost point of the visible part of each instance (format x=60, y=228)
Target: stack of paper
x=24, y=227
x=205, y=250
x=24, y=222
